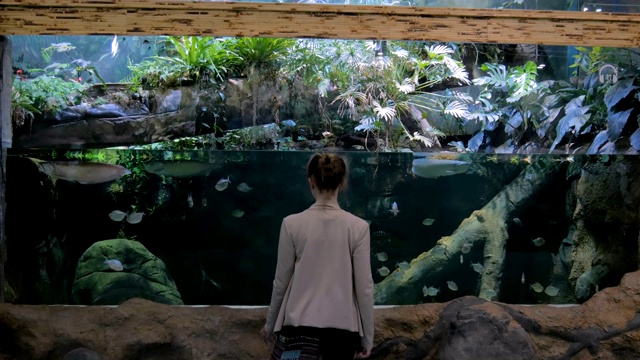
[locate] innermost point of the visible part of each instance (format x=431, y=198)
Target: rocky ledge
x=604, y=327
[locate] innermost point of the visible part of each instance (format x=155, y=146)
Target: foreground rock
x=605, y=327
x=143, y=275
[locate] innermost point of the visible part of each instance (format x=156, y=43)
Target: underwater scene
x=101, y=226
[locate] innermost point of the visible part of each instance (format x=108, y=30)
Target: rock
x=106, y=111
x=589, y=281
x=144, y=275
x=82, y=354
x=484, y=333
x=607, y=326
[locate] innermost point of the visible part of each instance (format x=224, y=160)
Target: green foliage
x=261, y=54
x=75, y=69
x=46, y=94
x=188, y=59
x=378, y=88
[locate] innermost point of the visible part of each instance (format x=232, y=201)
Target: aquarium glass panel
x=162, y=167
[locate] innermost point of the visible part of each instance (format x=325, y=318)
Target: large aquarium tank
x=161, y=167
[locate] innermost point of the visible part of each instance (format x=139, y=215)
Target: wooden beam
x=149, y=17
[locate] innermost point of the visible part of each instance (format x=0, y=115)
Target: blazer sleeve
x=363, y=281
x=284, y=271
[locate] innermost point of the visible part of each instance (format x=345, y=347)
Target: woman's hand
x=268, y=336
x=363, y=354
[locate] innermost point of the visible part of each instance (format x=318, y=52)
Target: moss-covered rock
x=143, y=275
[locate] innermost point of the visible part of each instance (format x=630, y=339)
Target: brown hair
x=328, y=171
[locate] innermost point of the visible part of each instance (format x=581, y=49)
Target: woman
x=323, y=289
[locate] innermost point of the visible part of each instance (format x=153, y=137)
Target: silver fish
x=237, y=213
x=538, y=241
x=394, y=209
x=452, y=286
x=190, y=200
x=428, y=222
x=477, y=267
x=117, y=215
x=81, y=172
x=179, y=169
x=384, y=271
x=134, y=217
x=435, y=168
x=536, y=287
x=223, y=184
x=404, y=266
x=430, y=291
x=382, y=256
x=243, y=187
x=114, y=264
x=551, y=290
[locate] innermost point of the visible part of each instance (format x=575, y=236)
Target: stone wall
x=604, y=327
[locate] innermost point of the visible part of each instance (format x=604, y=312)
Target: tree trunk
x=486, y=227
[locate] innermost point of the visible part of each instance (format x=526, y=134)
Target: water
x=217, y=256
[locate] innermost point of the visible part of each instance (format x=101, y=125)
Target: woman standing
x=323, y=289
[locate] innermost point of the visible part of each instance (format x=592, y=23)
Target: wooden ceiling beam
x=238, y=19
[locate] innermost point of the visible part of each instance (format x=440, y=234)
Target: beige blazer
x=323, y=276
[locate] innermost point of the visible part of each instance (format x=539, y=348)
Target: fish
x=466, y=248
x=430, y=291
x=243, y=187
x=179, y=169
x=461, y=259
x=134, y=217
x=452, y=286
x=517, y=221
x=538, y=241
x=382, y=256
x=428, y=222
x=114, y=264
x=384, y=271
x=435, y=168
x=536, y=287
x=207, y=279
x=223, y=184
x=491, y=294
x=114, y=46
x=237, y=213
x=80, y=171
x=439, y=251
x=117, y=215
x=522, y=279
x=190, y=200
x=404, y=266
x=289, y=123
x=477, y=267
x=551, y=290
x=394, y=209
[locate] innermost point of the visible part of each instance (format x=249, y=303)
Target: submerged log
x=486, y=227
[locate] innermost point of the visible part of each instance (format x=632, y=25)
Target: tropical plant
x=595, y=107
x=378, y=86
x=45, y=94
x=188, y=59
x=74, y=70
x=509, y=99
